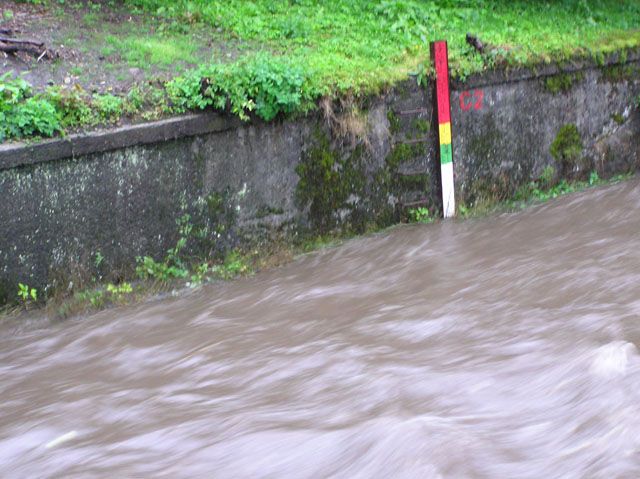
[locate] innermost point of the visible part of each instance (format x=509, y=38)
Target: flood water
x=504, y=347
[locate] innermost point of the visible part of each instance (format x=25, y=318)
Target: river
x=501, y=347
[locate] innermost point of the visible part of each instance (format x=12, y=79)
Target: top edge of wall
x=14, y=155
x=516, y=74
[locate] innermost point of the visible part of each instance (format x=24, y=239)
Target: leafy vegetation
x=122, y=288
x=420, y=215
x=22, y=114
x=178, y=265
x=173, y=265
x=27, y=294
x=350, y=44
x=267, y=85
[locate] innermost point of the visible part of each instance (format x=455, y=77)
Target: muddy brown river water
x=504, y=347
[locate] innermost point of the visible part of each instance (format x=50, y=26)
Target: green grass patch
x=363, y=44
x=155, y=50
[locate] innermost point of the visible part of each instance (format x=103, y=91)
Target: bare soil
x=90, y=46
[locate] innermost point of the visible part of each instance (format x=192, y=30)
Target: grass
x=361, y=44
x=160, y=50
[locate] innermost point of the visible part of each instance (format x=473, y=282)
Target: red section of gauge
x=442, y=81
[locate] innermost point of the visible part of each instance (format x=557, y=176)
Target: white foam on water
x=612, y=359
x=61, y=439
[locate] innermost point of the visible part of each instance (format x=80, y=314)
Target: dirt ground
x=102, y=48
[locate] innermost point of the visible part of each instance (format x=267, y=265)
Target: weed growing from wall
x=420, y=215
x=27, y=294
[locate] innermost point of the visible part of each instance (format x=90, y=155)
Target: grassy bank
x=178, y=271
x=355, y=44
x=284, y=55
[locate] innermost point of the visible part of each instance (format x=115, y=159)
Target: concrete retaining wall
x=118, y=193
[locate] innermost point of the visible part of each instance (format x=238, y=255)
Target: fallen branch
x=21, y=42
x=34, y=47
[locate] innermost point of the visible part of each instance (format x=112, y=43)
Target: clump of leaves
x=73, y=106
x=420, y=215
x=263, y=84
x=234, y=264
x=22, y=114
x=548, y=177
x=172, y=266
x=122, y=288
x=27, y=294
x=108, y=107
x=407, y=17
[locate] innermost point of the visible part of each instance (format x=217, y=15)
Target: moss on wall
x=327, y=181
x=567, y=148
x=484, y=145
x=403, y=153
x=394, y=122
x=562, y=82
x=421, y=125
x=340, y=191
x=618, y=118
x=620, y=73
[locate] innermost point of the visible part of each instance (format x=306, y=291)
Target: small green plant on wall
x=172, y=266
x=420, y=215
x=27, y=294
x=123, y=288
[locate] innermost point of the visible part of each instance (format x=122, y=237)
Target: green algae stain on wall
x=340, y=191
x=562, y=83
x=328, y=181
x=567, y=148
x=620, y=73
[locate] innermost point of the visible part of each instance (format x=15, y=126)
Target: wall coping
x=513, y=75
x=13, y=155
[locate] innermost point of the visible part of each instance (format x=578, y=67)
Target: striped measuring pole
x=439, y=57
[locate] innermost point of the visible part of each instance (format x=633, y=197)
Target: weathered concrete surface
x=257, y=165
x=20, y=154
x=506, y=141
x=57, y=216
x=61, y=205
